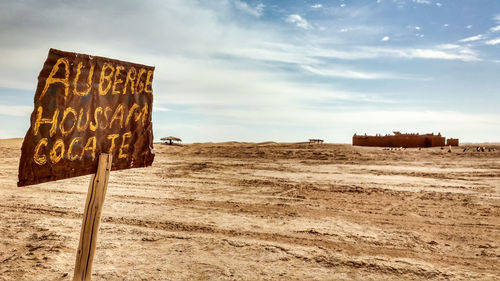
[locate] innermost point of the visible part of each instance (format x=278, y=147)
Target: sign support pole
x=91, y=218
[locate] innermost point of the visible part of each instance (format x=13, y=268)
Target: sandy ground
x=243, y=211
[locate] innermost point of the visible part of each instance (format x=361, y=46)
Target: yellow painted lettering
x=139, y=85
x=70, y=149
x=131, y=74
x=117, y=79
x=88, y=85
x=124, y=146
x=79, y=126
x=93, y=126
x=106, y=116
x=118, y=115
x=144, y=115
x=67, y=111
x=39, y=121
x=40, y=159
x=112, y=138
x=105, y=78
x=51, y=80
x=149, y=82
x=91, y=145
x=55, y=156
x=130, y=112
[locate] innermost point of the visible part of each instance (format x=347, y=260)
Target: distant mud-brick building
x=452, y=142
x=400, y=140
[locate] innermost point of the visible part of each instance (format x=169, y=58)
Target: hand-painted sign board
x=87, y=105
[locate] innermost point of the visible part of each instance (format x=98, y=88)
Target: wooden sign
x=85, y=106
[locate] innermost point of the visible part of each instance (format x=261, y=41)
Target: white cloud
x=342, y=5
x=353, y=74
x=472, y=38
x=361, y=28
x=422, y=1
x=462, y=53
x=469, y=26
x=417, y=27
x=282, y=53
x=495, y=28
x=448, y=46
x=298, y=21
x=446, y=25
x=256, y=89
x=15, y=110
x=316, y=6
x=314, y=55
x=254, y=11
x=157, y=107
x=493, y=41
x=386, y=38
x=439, y=4
x=438, y=54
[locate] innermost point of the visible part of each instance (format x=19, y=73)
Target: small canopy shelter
x=311, y=141
x=170, y=140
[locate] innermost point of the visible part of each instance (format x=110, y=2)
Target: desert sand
x=266, y=211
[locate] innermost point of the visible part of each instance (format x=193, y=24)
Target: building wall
x=452, y=142
x=400, y=140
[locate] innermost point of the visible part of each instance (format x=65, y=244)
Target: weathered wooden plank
x=91, y=218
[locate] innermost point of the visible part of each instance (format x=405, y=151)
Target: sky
x=244, y=70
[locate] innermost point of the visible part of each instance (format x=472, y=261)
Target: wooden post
x=91, y=218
